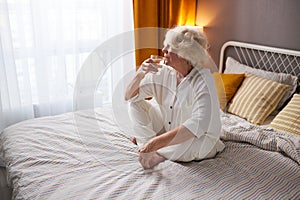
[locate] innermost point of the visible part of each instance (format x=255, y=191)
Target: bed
x=86, y=155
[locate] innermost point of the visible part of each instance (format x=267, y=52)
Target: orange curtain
x=162, y=14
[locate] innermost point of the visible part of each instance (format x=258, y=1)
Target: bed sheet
x=85, y=155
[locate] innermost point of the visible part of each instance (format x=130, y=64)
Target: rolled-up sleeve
x=200, y=119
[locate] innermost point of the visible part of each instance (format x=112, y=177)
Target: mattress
x=85, y=155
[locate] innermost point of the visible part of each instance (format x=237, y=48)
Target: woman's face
x=171, y=58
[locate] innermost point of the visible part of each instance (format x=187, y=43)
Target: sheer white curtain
x=43, y=45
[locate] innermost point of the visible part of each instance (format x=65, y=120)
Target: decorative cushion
x=234, y=67
x=227, y=85
x=256, y=98
x=288, y=120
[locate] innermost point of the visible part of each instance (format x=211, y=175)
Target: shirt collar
x=192, y=73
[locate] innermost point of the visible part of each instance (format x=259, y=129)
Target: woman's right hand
x=149, y=65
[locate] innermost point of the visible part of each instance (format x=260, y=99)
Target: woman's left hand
x=148, y=157
x=152, y=145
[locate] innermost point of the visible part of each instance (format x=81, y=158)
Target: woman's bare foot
x=134, y=140
x=150, y=160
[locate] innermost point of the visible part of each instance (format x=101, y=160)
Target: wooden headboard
x=262, y=57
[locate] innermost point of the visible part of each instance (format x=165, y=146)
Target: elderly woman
x=183, y=123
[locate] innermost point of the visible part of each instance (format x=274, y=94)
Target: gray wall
x=267, y=22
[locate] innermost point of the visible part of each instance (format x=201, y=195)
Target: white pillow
x=234, y=67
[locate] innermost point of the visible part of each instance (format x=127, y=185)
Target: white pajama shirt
x=192, y=103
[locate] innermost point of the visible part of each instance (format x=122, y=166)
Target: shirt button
x=169, y=122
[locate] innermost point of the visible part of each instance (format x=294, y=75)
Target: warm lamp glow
x=195, y=26
x=186, y=22
x=184, y=17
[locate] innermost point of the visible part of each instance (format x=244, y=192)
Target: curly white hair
x=189, y=43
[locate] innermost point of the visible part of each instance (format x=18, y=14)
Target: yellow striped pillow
x=256, y=98
x=288, y=120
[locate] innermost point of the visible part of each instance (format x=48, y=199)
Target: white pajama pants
x=147, y=123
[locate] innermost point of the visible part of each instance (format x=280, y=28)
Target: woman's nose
x=166, y=48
